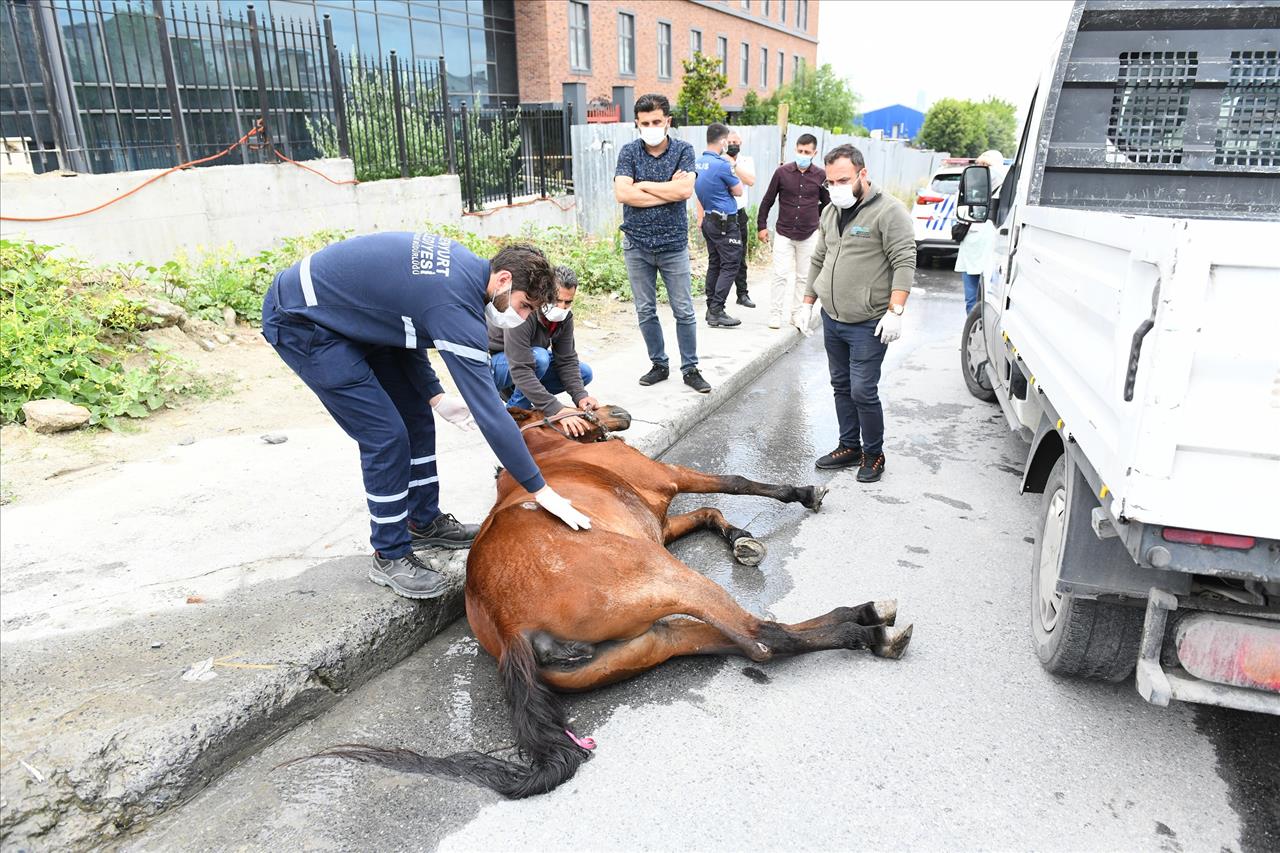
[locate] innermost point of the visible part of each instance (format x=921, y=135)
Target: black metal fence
x=115, y=85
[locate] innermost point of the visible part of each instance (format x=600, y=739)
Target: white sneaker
x=775, y=322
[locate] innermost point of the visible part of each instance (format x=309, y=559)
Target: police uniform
x=719, y=227
x=354, y=321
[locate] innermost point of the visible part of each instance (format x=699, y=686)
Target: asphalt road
x=964, y=744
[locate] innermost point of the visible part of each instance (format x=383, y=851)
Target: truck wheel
x=973, y=357
x=1075, y=636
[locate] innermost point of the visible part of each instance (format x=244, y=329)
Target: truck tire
x=1075, y=636
x=973, y=357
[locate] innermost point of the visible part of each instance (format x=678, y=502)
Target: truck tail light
x=929, y=199
x=1230, y=650
x=1203, y=537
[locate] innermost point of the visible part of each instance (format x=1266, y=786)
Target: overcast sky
x=915, y=53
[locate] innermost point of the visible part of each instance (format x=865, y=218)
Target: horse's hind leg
x=747, y=550
x=689, y=480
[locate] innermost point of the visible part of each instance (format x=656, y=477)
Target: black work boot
x=841, y=457
x=745, y=300
x=694, y=380
x=656, y=374
x=445, y=532
x=872, y=468
x=716, y=318
x=408, y=576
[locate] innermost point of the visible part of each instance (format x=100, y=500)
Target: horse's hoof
x=748, y=551
x=887, y=610
x=895, y=645
x=819, y=492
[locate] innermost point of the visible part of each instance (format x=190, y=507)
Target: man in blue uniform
x=354, y=320
x=717, y=187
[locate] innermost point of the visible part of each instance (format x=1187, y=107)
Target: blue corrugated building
x=896, y=122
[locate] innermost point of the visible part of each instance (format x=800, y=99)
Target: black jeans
x=724, y=256
x=854, y=356
x=744, y=222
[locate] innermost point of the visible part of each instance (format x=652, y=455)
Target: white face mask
x=508, y=319
x=555, y=313
x=653, y=136
x=842, y=195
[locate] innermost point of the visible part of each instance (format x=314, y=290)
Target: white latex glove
x=805, y=315
x=561, y=508
x=889, y=329
x=455, y=411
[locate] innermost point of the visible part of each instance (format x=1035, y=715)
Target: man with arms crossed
x=653, y=180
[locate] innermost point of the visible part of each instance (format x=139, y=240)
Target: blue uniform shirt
x=663, y=228
x=413, y=291
x=715, y=177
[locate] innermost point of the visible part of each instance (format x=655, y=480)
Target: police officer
x=354, y=320
x=717, y=187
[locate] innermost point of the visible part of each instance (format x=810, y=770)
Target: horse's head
x=604, y=420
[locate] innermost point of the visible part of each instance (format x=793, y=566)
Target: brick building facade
x=637, y=46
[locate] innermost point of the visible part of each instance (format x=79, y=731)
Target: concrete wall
x=539, y=212
x=595, y=156
x=250, y=206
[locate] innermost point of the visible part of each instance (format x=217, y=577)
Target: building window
x=798, y=64
x=722, y=51
x=579, y=36
x=746, y=4
x=695, y=42
x=802, y=15
x=664, y=50
x=626, y=43
x=764, y=68
x=783, y=4
x=765, y=10
x=746, y=64
x=782, y=66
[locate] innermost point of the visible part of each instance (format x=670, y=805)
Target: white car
x=935, y=211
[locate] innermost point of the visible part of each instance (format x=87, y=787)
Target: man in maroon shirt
x=797, y=187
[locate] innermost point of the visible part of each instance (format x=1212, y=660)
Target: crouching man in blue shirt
x=354, y=320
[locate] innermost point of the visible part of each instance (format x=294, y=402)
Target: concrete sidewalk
x=246, y=561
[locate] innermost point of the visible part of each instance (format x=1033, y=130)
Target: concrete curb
x=162, y=741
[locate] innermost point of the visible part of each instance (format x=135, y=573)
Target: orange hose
x=257, y=129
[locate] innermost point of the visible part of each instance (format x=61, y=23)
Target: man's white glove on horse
x=454, y=411
x=889, y=329
x=561, y=508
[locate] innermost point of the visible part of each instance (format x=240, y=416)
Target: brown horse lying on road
x=578, y=610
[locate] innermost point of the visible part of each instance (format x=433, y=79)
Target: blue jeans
x=854, y=356
x=543, y=366
x=972, y=282
x=643, y=266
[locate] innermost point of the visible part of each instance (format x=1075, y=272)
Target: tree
x=954, y=126
x=1000, y=123
x=702, y=90
x=816, y=98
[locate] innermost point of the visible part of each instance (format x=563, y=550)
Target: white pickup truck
x=1129, y=328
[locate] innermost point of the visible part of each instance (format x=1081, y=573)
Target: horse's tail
x=538, y=719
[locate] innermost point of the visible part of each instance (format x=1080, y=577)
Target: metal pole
x=335, y=80
x=450, y=151
x=542, y=155
x=63, y=128
x=466, y=160
x=176, y=118
x=260, y=72
x=506, y=141
x=402, y=150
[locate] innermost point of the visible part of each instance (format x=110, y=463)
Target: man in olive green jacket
x=861, y=271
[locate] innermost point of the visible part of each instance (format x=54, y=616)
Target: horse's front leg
x=747, y=550
x=690, y=481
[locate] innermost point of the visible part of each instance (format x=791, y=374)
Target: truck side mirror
x=974, y=203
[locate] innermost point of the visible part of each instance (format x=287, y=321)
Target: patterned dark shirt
x=663, y=228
